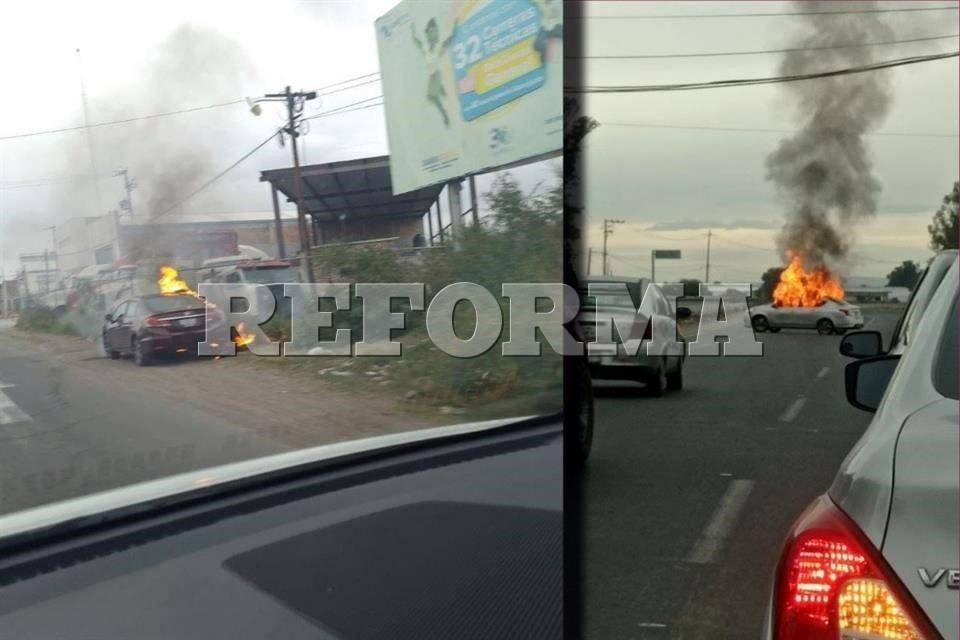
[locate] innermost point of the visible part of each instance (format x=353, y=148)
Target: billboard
x=470, y=85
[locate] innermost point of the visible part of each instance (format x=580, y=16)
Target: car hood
x=23, y=526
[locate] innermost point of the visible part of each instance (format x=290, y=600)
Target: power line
x=123, y=121
x=641, y=125
x=718, y=54
x=164, y=114
x=743, y=82
x=758, y=15
x=215, y=178
x=347, y=81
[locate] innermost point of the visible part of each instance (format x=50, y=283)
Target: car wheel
x=760, y=324
x=657, y=381
x=824, y=327
x=113, y=354
x=675, y=379
x=774, y=329
x=140, y=356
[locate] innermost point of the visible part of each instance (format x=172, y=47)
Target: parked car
x=152, y=325
x=877, y=556
x=831, y=316
x=659, y=373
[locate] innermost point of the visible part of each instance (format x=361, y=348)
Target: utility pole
x=46, y=271
x=86, y=124
x=706, y=278
x=607, y=230
x=294, y=101
x=128, y=186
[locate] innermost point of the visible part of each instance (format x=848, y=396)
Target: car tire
x=675, y=379
x=760, y=323
x=141, y=357
x=774, y=329
x=657, y=381
x=113, y=354
x=824, y=326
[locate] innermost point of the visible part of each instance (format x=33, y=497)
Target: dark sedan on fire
x=153, y=325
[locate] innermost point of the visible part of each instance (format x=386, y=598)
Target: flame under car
x=154, y=325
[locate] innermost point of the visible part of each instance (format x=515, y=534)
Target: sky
x=144, y=58
x=671, y=185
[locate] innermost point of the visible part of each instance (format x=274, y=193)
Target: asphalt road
x=689, y=497
x=73, y=422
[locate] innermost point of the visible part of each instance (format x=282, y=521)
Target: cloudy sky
x=650, y=165
x=168, y=56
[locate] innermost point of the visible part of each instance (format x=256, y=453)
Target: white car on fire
x=832, y=315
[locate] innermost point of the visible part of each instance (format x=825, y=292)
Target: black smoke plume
x=824, y=172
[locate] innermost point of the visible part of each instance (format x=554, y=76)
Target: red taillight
x=832, y=583
x=154, y=321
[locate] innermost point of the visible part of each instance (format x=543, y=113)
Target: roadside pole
x=706, y=278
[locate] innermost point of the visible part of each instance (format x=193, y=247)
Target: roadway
x=73, y=422
x=689, y=497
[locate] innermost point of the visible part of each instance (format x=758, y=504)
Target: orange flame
x=170, y=282
x=801, y=288
x=243, y=338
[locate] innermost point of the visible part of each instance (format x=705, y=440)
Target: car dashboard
x=458, y=537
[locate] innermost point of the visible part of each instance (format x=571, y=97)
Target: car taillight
x=157, y=322
x=833, y=584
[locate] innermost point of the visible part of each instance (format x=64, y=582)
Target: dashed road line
x=721, y=523
x=823, y=372
x=793, y=410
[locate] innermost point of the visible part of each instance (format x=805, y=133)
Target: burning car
x=807, y=300
x=158, y=324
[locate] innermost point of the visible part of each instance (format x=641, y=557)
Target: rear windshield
x=160, y=304
x=945, y=371
x=605, y=300
x=269, y=275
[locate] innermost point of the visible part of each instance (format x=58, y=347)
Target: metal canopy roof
x=358, y=188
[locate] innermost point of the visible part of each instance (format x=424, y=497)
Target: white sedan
x=831, y=316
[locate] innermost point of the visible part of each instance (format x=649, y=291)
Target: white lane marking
x=9, y=411
x=793, y=410
x=823, y=372
x=868, y=322
x=652, y=625
x=721, y=523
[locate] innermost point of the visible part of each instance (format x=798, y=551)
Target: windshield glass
x=605, y=300
x=180, y=190
x=270, y=275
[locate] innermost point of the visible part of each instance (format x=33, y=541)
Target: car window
x=161, y=304
x=945, y=369
x=922, y=294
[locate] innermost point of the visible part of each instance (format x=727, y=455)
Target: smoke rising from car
x=824, y=173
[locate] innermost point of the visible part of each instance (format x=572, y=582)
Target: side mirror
x=862, y=344
x=684, y=312
x=867, y=380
